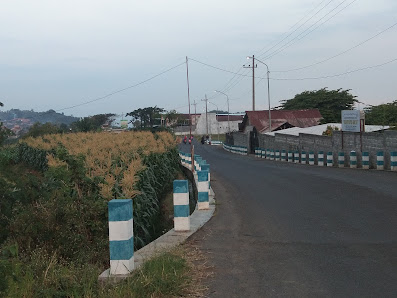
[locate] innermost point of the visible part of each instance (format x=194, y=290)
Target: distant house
x=280, y=119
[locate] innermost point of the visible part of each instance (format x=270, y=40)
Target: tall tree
x=384, y=114
x=147, y=117
x=329, y=102
x=92, y=123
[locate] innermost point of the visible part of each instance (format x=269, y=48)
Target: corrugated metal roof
x=297, y=118
x=319, y=129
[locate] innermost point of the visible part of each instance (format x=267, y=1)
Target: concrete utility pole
x=227, y=97
x=206, y=111
x=195, y=114
x=253, y=80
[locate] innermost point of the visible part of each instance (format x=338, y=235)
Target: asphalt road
x=291, y=230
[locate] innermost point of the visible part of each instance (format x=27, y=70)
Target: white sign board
x=351, y=120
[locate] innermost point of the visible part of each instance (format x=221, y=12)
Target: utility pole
x=195, y=113
x=206, y=111
x=253, y=80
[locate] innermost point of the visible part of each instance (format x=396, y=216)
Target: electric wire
x=261, y=54
x=335, y=75
x=296, y=38
x=121, y=90
x=341, y=53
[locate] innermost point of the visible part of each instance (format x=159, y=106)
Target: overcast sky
x=58, y=54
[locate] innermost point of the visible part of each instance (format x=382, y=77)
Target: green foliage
x=384, y=114
x=42, y=117
x=330, y=130
x=4, y=133
x=329, y=102
x=48, y=128
x=35, y=158
x=93, y=123
x=147, y=117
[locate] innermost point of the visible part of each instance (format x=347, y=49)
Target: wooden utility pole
x=253, y=80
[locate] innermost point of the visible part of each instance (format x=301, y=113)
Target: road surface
x=291, y=230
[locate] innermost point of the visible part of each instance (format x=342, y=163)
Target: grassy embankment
x=54, y=192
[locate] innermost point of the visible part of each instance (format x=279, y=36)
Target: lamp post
x=268, y=90
x=217, y=125
x=228, y=122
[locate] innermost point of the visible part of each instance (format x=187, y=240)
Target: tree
x=4, y=131
x=39, y=129
x=218, y=111
x=329, y=102
x=92, y=123
x=147, y=117
x=384, y=114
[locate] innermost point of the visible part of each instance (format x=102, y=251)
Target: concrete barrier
x=330, y=159
x=121, y=236
x=272, y=154
x=290, y=156
x=296, y=156
x=263, y=153
x=277, y=155
x=203, y=190
x=341, y=159
x=365, y=160
x=380, y=164
x=320, y=158
x=393, y=160
x=353, y=159
x=303, y=157
x=181, y=205
x=258, y=152
x=283, y=155
x=311, y=158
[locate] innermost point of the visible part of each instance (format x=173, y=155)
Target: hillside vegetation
x=54, y=192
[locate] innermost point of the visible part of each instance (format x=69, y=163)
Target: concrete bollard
x=290, y=156
x=268, y=153
x=206, y=167
x=341, y=159
x=121, y=236
x=203, y=189
x=263, y=153
x=303, y=157
x=277, y=156
x=311, y=158
x=272, y=154
x=320, y=158
x=330, y=159
x=393, y=160
x=283, y=155
x=353, y=159
x=257, y=150
x=380, y=165
x=181, y=205
x=296, y=157
x=365, y=160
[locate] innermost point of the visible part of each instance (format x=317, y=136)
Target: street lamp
x=268, y=90
x=217, y=125
x=228, y=121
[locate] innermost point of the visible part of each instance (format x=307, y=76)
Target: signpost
x=353, y=121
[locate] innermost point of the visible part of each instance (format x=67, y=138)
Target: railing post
x=353, y=159
x=393, y=161
x=320, y=158
x=380, y=165
x=330, y=159
x=311, y=158
x=181, y=205
x=203, y=190
x=341, y=159
x=121, y=236
x=365, y=160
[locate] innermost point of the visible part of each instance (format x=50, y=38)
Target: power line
x=336, y=75
x=298, y=27
x=296, y=38
x=341, y=53
x=121, y=90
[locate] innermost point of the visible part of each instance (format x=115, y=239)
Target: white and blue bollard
x=311, y=158
x=203, y=190
x=121, y=236
x=365, y=160
x=330, y=159
x=206, y=167
x=320, y=158
x=290, y=156
x=296, y=157
x=353, y=159
x=258, y=152
x=341, y=159
x=277, y=155
x=380, y=165
x=272, y=154
x=268, y=153
x=263, y=153
x=303, y=157
x=393, y=160
x=283, y=155
x=181, y=205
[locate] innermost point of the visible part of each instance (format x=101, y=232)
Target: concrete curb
x=165, y=242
